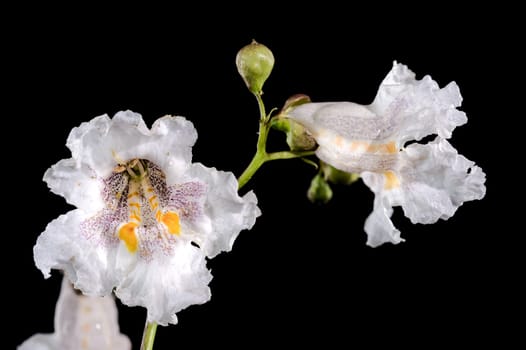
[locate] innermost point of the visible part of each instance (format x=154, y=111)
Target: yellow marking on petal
x=359, y=146
x=338, y=140
x=158, y=216
x=391, y=147
x=133, y=194
x=391, y=180
x=127, y=234
x=171, y=221
x=149, y=190
x=136, y=205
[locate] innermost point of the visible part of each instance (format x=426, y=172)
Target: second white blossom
x=429, y=181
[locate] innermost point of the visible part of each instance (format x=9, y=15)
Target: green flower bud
x=254, y=63
x=337, y=176
x=319, y=190
x=298, y=138
x=294, y=101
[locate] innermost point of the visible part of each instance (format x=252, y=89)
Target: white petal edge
x=227, y=212
x=378, y=225
x=78, y=185
x=89, y=266
x=102, y=143
x=437, y=181
x=167, y=286
x=421, y=107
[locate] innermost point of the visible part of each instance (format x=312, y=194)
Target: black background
x=303, y=275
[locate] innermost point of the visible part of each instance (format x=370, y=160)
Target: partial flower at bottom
x=147, y=217
x=81, y=322
x=430, y=181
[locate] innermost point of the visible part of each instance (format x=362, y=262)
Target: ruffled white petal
x=166, y=286
x=102, y=143
x=378, y=226
x=174, y=138
x=437, y=180
x=434, y=182
x=226, y=212
x=88, y=264
x=418, y=107
x=79, y=186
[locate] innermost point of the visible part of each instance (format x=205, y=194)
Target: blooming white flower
x=429, y=181
x=81, y=322
x=147, y=217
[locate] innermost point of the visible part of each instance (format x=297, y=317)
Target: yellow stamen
x=391, y=181
x=128, y=234
x=171, y=221
x=153, y=202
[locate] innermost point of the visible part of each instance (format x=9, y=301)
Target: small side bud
x=319, y=190
x=298, y=138
x=254, y=63
x=294, y=101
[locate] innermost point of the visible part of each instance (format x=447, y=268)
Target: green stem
x=149, y=336
x=261, y=155
x=289, y=155
x=262, y=113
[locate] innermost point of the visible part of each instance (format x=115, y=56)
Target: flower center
x=142, y=211
x=140, y=191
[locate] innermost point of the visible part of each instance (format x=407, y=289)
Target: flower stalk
x=262, y=156
x=148, y=336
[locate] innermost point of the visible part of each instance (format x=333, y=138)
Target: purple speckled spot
x=188, y=199
x=102, y=228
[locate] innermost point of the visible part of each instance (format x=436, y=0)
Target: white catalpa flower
x=147, y=217
x=429, y=181
x=81, y=322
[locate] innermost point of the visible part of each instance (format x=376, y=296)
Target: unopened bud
x=298, y=138
x=254, y=63
x=294, y=101
x=319, y=190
